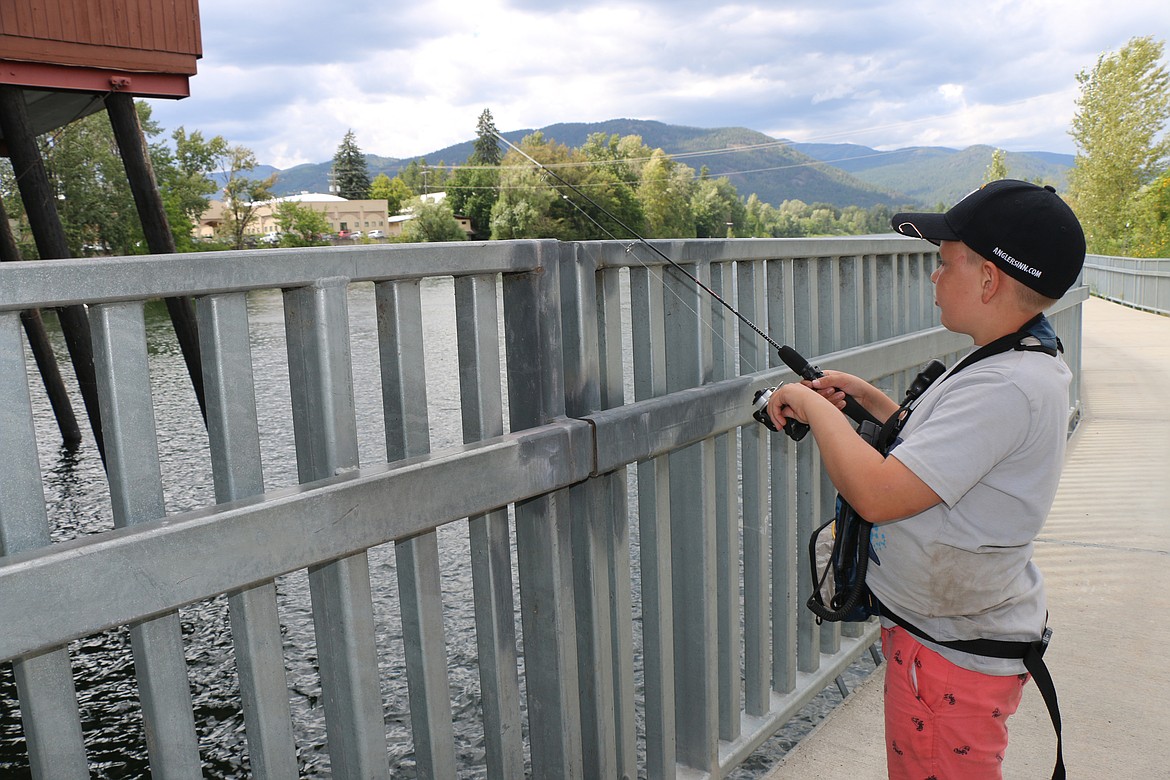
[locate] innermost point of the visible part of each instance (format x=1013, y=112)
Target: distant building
x=342, y=215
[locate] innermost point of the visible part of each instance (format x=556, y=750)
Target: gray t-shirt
x=990, y=442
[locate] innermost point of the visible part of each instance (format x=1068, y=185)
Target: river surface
x=78, y=503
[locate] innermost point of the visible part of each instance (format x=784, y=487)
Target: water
x=78, y=503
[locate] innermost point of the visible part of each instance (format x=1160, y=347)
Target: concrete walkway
x=1105, y=554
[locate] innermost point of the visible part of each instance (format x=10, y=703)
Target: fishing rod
x=796, y=430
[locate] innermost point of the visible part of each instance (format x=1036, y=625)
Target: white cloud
x=411, y=79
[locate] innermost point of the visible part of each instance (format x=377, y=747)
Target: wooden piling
x=40, y=204
x=155, y=226
x=34, y=328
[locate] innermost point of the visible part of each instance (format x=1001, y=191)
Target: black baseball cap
x=1025, y=229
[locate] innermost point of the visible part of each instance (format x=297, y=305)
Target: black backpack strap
x=1031, y=653
x=1036, y=335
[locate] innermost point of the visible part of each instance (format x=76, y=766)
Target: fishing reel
x=795, y=429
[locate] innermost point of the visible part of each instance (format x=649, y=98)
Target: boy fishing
x=959, y=495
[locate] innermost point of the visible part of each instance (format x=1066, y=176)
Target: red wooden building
x=63, y=53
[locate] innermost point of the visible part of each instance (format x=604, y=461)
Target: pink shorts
x=943, y=722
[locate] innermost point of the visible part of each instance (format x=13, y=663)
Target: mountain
x=933, y=175
x=773, y=169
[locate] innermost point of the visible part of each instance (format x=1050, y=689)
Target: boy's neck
x=1007, y=323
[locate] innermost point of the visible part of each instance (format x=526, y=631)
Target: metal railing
x=1143, y=283
x=609, y=362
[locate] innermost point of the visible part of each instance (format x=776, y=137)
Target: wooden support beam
x=40, y=204
x=155, y=226
x=42, y=350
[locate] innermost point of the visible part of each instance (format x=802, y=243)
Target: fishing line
x=796, y=430
x=705, y=288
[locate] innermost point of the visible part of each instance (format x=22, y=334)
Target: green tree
x=473, y=190
x=242, y=195
x=95, y=203
x=997, y=169
x=1122, y=109
x=301, y=225
x=393, y=191
x=665, y=192
x=419, y=176
x=433, y=221
x=185, y=180
x=717, y=208
x=1152, y=225
x=487, y=146
x=350, y=172
x=525, y=205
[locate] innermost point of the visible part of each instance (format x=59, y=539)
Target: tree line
x=607, y=188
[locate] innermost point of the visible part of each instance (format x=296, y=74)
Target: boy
x=965, y=488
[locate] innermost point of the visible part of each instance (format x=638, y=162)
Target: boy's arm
x=879, y=488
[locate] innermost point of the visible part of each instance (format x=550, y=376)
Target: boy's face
x=958, y=286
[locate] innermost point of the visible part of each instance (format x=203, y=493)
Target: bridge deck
x=1105, y=554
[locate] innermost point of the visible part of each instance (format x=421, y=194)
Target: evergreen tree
x=472, y=191
x=487, y=146
x=1118, y=129
x=416, y=175
x=351, y=175
x=998, y=168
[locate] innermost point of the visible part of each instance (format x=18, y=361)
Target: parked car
x=343, y=234
x=375, y=234
x=270, y=238
x=355, y=234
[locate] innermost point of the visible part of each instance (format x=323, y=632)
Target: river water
x=78, y=503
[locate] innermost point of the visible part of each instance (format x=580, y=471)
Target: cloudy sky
x=288, y=78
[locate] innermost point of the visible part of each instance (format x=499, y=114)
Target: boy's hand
x=835, y=385
x=788, y=402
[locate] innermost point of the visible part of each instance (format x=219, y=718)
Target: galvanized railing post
x=44, y=682
x=593, y=378
x=692, y=501
x=404, y=403
x=617, y=521
x=785, y=606
x=807, y=326
x=648, y=329
x=316, y=325
x=753, y=357
x=532, y=318
x=482, y=405
x=589, y=507
x=127, y=409
x=727, y=527
x=234, y=438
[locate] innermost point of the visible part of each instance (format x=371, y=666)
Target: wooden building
x=67, y=54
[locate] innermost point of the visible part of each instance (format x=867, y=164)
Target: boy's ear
x=991, y=279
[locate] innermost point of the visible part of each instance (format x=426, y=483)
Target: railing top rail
x=48, y=283
x=623, y=253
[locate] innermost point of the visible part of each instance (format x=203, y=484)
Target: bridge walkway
x=1105, y=554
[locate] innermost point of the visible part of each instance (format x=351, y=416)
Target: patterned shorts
x=943, y=722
